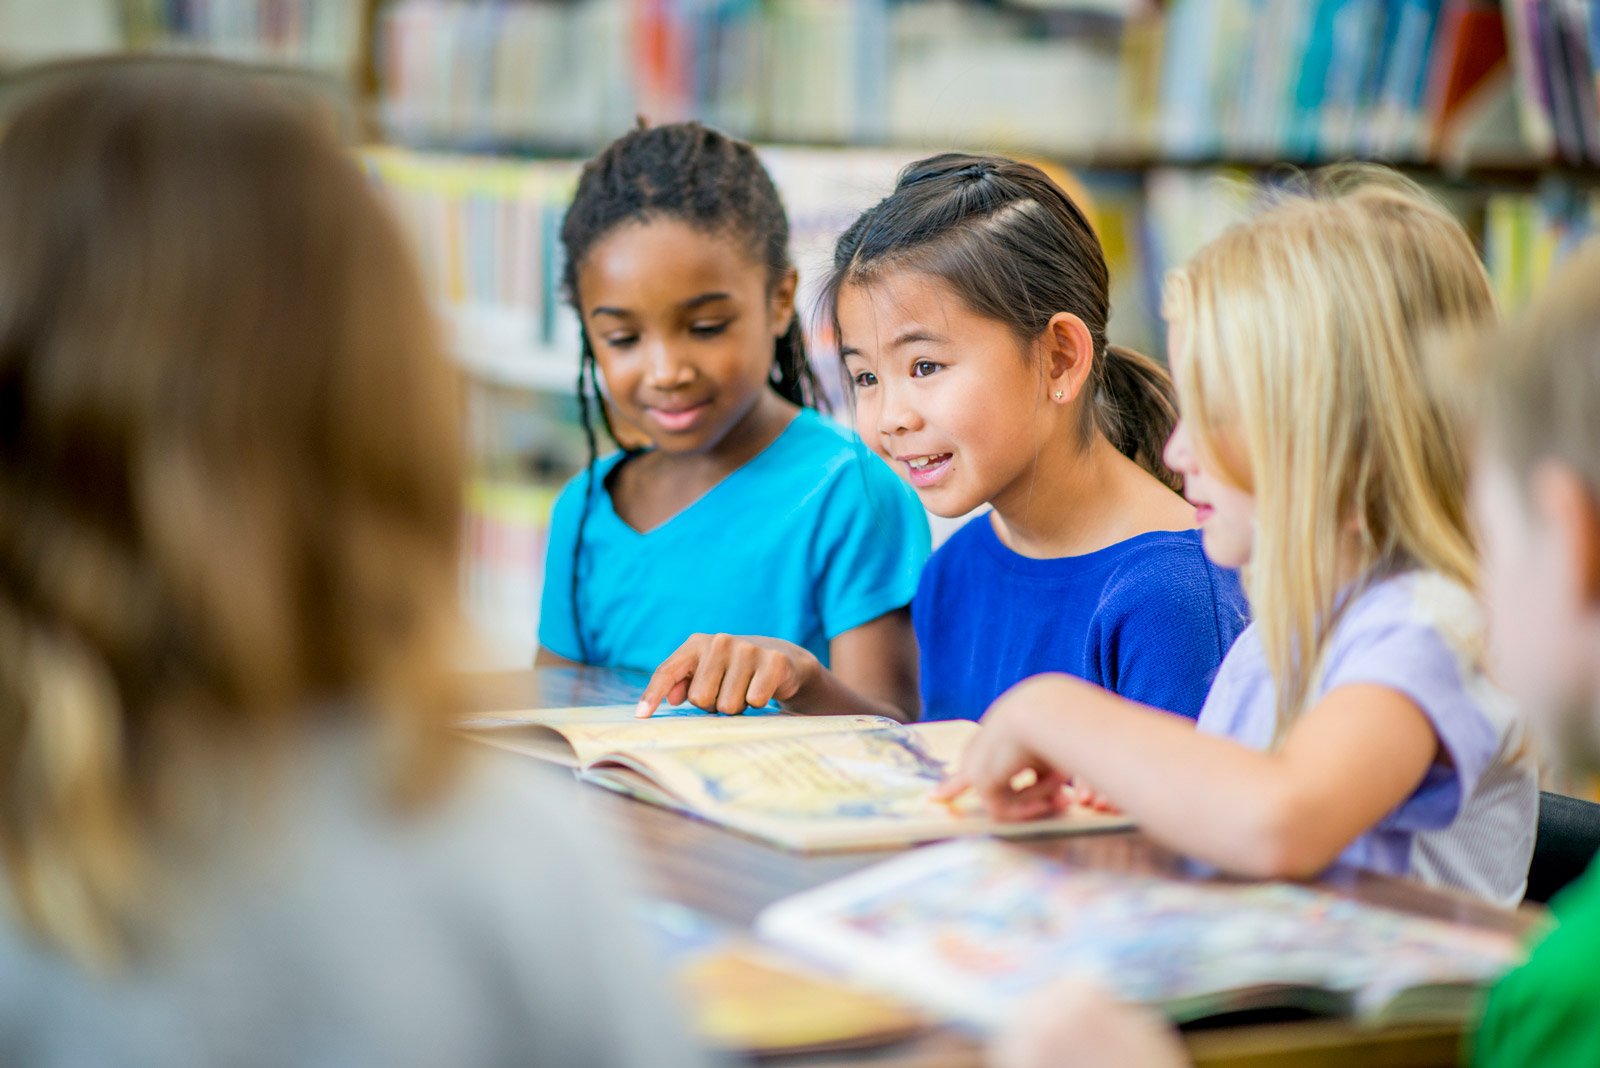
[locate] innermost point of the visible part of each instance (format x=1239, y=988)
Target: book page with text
x=833, y=790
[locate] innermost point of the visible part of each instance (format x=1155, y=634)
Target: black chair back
x=1569, y=838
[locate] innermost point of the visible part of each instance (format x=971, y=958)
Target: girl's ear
x=1068, y=356
x=782, y=306
x=1565, y=501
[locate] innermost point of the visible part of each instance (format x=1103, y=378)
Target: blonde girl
x=235, y=827
x=1352, y=720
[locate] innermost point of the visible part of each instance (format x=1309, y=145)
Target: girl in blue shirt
x=732, y=506
x=972, y=305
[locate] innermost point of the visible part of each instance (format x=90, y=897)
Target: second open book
x=809, y=783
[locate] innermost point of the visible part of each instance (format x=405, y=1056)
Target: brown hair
x=230, y=469
x=1015, y=247
x=1539, y=379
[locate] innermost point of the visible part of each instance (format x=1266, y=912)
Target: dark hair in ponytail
x=1017, y=249
x=712, y=182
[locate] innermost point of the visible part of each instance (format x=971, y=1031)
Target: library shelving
x=1171, y=118
x=318, y=38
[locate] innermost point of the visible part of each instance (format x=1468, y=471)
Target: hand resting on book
x=729, y=673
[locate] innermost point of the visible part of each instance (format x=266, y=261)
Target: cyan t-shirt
x=812, y=537
x=1470, y=823
x=1149, y=618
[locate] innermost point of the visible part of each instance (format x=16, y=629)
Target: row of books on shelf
x=488, y=234
x=1458, y=81
x=507, y=527
x=326, y=36
x=818, y=71
x=1523, y=235
x=1526, y=234
x=1387, y=79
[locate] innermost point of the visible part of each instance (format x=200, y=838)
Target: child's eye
x=707, y=329
x=865, y=379
x=923, y=368
x=621, y=341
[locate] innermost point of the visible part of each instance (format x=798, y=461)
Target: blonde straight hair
x=231, y=470
x=1306, y=382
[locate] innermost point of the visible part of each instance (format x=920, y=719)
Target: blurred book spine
x=487, y=233
x=1527, y=234
x=323, y=36
x=507, y=530
x=1458, y=82
x=547, y=75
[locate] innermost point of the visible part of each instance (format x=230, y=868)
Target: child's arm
x=1346, y=763
x=874, y=673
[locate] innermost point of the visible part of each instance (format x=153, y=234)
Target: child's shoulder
x=816, y=444
x=1419, y=627
x=1156, y=552
x=818, y=464
x=568, y=506
x=1421, y=600
x=1162, y=572
x=575, y=486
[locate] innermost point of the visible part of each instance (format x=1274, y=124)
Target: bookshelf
x=1174, y=117
x=1455, y=82
x=325, y=39
x=1493, y=104
x=1171, y=117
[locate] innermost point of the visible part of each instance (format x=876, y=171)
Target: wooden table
x=733, y=878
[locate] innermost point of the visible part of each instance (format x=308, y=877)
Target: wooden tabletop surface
x=732, y=878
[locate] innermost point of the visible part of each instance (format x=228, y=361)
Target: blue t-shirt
x=1149, y=618
x=812, y=537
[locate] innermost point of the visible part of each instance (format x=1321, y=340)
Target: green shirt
x=1547, y=1013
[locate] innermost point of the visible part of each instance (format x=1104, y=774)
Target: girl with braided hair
x=745, y=512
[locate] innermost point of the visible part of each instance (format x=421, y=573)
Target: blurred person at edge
x=236, y=828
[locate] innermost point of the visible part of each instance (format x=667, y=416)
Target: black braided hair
x=712, y=182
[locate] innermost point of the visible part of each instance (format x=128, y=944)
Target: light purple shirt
x=1470, y=823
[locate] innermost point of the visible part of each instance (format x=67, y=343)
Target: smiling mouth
x=926, y=470
x=677, y=420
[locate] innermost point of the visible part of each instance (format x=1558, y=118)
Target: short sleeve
x=557, y=630
x=1164, y=627
x=872, y=542
x=1403, y=649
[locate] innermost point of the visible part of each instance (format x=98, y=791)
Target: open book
x=970, y=929
x=809, y=783
x=744, y=997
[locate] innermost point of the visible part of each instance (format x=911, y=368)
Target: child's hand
x=1087, y=796
x=729, y=673
x=998, y=754
x=1074, y=1023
